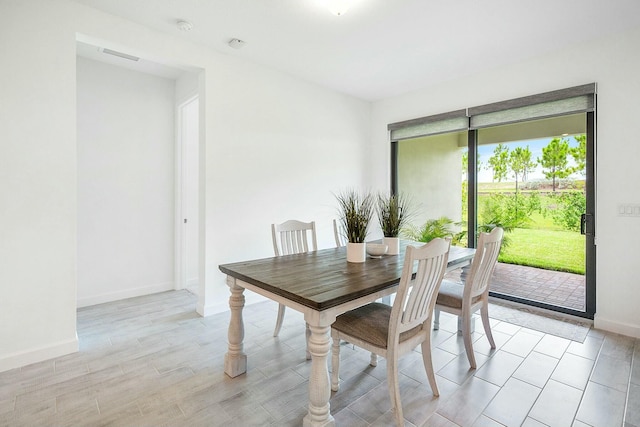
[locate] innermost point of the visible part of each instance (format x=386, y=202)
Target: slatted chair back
x=294, y=237
x=483, y=263
x=416, y=297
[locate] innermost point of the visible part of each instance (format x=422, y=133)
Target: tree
x=554, y=160
x=528, y=164
x=498, y=162
x=520, y=163
x=579, y=154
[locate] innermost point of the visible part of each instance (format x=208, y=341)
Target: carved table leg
x=319, y=387
x=235, y=361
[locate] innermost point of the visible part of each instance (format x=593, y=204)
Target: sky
x=535, y=146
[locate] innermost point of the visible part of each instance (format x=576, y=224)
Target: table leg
x=235, y=361
x=319, y=386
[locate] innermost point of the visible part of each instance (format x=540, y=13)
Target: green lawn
x=548, y=249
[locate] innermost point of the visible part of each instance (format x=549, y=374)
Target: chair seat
x=450, y=295
x=370, y=323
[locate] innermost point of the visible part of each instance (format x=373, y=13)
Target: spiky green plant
x=433, y=228
x=356, y=211
x=393, y=213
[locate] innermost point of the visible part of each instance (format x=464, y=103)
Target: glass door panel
x=430, y=172
x=532, y=181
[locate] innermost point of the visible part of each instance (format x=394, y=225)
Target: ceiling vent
x=120, y=54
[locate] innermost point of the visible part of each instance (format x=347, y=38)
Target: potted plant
x=356, y=211
x=393, y=213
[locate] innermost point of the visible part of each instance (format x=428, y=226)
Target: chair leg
x=374, y=360
x=335, y=364
x=394, y=389
x=307, y=334
x=436, y=318
x=466, y=336
x=428, y=365
x=281, y=308
x=484, y=314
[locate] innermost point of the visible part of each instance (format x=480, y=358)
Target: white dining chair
x=472, y=293
x=339, y=234
x=393, y=331
x=292, y=237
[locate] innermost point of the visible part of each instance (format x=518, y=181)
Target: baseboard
x=125, y=293
x=24, y=358
x=616, y=327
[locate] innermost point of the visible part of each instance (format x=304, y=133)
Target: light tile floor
x=152, y=361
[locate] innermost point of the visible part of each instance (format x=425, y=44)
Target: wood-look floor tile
x=499, y=368
x=612, y=372
x=512, y=403
x=436, y=420
x=588, y=349
x=482, y=345
x=152, y=361
x=507, y=328
x=484, y=421
x=459, y=370
x=347, y=417
x=635, y=369
x=377, y=401
x=530, y=422
x=601, y=406
x=420, y=403
x=522, y=343
x=468, y=402
x=552, y=346
x=632, y=415
x=557, y=405
x=536, y=369
x=573, y=370
x=618, y=346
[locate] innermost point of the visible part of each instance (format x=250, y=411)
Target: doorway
x=535, y=179
x=187, y=206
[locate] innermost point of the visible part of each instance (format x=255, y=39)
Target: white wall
x=612, y=64
x=126, y=165
x=272, y=148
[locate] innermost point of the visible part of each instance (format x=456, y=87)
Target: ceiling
x=382, y=48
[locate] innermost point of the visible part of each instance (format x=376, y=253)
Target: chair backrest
x=484, y=261
x=339, y=234
x=291, y=237
x=416, y=298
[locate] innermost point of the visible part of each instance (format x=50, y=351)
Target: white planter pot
x=356, y=252
x=393, y=243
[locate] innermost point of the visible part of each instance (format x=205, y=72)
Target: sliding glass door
x=534, y=176
x=533, y=180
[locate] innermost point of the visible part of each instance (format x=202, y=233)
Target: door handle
x=586, y=224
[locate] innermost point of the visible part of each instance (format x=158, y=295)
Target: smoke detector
x=236, y=43
x=184, y=25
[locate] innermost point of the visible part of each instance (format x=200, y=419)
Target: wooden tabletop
x=324, y=279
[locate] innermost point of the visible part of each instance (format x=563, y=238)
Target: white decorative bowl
x=376, y=249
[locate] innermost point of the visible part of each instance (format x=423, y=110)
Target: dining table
x=321, y=285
